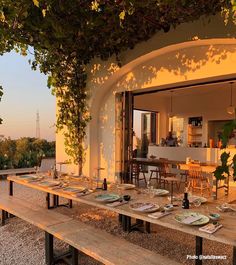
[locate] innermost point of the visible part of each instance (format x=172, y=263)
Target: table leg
x=74, y=256
x=49, y=248
x=148, y=227
x=3, y=217
x=54, y=201
x=70, y=204
x=234, y=255
x=198, y=250
x=57, y=200
x=171, y=196
x=120, y=218
x=11, y=188
x=48, y=201
x=126, y=223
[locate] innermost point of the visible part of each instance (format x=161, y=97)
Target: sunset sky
x=25, y=92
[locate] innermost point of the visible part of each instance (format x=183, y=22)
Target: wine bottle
x=185, y=202
x=104, y=185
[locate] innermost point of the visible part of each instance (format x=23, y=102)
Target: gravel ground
x=23, y=244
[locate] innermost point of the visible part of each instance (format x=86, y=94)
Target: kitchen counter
x=211, y=155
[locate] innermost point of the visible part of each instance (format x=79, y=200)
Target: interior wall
x=209, y=105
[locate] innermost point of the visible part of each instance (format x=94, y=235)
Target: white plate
x=107, y=197
x=49, y=183
x=180, y=218
x=145, y=207
x=194, y=198
x=73, y=189
x=160, y=192
x=126, y=186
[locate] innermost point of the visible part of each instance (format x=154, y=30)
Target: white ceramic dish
x=160, y=192
x=194, y=198
x=108, y=197
x=145, y=207
x=49, y=183
x=126, y=186
x=182, y=216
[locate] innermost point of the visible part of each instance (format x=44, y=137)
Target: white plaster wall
x=167, y=58
x=168, y=69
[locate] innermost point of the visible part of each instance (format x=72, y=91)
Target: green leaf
x=36, y=2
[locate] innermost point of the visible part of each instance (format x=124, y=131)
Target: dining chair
x=46, y=164
x=138, y=174
x=163, y=173
x=197, y=179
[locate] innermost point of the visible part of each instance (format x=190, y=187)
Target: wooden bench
x=17, y=171
x=95, y=243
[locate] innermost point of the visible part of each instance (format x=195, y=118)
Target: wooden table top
x=227, y=234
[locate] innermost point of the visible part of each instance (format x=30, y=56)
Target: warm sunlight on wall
x=167, y=58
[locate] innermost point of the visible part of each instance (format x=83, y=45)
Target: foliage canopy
x=66, y=35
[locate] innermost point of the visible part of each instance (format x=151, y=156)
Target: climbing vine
x=65, y=36
x=223, y=171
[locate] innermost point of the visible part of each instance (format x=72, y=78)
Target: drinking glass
x=151, y=192
x=197, y=203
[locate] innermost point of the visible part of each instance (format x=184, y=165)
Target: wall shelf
x=195, y=131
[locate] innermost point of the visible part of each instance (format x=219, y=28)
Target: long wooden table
x=226, y=235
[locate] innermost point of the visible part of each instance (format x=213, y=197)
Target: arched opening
x=184, y=63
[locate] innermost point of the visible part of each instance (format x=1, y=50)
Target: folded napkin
x=117, y=203
x=158, y=215
x=190, y=219
x=227, y=207
x=210, y=228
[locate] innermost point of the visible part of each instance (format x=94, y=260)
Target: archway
x=187, y=62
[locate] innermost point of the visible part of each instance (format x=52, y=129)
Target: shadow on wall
x=178, y=66
x=185, y=64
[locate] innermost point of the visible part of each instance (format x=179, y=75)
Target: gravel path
x=23, y=244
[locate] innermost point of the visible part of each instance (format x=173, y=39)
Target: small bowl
x=126, y=197
x=214, y=216
x=168, y=207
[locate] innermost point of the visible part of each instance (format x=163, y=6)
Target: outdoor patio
x=22, y=243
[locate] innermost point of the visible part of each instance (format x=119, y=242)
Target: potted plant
x=228, y=164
